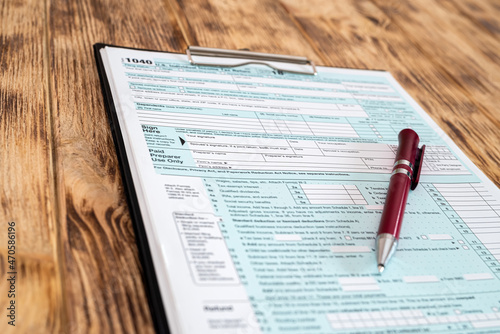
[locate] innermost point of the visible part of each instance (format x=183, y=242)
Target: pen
x=405, y=176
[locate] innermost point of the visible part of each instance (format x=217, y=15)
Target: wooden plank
x=358, y=34
x=102, y=274
x=261, y=25
x=456, y=44
x=485, y=14
x=27, y=190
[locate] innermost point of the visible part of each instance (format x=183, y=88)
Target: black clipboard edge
x=150, y=280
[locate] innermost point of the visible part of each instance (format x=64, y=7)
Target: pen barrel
x=395, y=203
x=408, y=146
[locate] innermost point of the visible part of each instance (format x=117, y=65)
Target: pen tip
x=381, y=268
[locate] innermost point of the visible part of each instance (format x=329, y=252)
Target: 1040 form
x=261, y=191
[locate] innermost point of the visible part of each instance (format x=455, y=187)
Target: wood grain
x=26, y=172
x=359, y=34
x=102, y=275
x=482, y=13
x=257, y=25
x=77, y=258
x=456, y=44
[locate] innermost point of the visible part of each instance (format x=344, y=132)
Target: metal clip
x=251, y=58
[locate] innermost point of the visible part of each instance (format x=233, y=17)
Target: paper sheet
x=262, y=194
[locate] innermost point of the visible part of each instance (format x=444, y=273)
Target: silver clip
x=252, y=58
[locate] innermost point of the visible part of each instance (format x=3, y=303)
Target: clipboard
x=150, y=279
x=345, y=281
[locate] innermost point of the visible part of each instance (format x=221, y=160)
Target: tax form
x=261, y=193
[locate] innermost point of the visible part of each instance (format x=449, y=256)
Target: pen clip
x=417, y=167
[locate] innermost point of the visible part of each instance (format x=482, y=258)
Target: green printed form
x=263, y=191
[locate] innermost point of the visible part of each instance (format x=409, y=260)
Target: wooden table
x=77, y=264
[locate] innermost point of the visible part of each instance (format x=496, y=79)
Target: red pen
x=405, y=176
